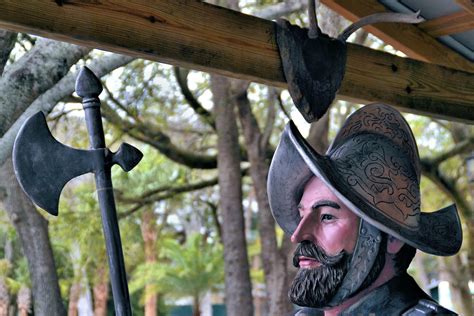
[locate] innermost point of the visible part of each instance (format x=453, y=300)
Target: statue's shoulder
x=427, y=307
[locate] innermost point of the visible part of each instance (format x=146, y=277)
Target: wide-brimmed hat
x=373, y=167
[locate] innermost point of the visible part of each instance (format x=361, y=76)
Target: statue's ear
x=394, y=245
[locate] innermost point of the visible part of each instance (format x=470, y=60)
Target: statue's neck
x=387, y=273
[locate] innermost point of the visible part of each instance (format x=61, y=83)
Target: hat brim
x=295, y=162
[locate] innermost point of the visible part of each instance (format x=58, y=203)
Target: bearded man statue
x=355, y=214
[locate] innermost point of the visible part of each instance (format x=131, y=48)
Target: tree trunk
x=196, y=306
x=273, y=261
x=421, y=271
x=24, y=301
x=238, y=289
x=318, y=134
x=32, y=229
x=101, y=291
x=74, y=294
x=453, y=271
x=149, y=235
x=4, y=297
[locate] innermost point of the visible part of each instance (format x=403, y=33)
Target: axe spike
x=127, y=157
x=87, y=84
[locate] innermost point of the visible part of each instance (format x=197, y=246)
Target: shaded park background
x=194, y=217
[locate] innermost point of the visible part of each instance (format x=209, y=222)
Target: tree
x=238, y=288
x=32, y=229
x=36, y=80
x=447, y=173
x=195, y=268
x=4, y=290
x=183, y=270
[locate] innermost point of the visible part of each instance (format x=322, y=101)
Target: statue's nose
x=304, y=231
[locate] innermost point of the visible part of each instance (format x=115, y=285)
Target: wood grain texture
x=414, y=86
x=199, y=35
x=449, y=24
x=407, y=38
x=204, y=37
x=467, y=5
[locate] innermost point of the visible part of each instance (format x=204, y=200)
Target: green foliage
x=153, y=171
x=21, y=272
x=5, y=267
x=185, y=270
x=15, y=276
x=195, y=267
x=20, y=278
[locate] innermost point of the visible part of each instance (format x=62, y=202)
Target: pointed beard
x=315, y=287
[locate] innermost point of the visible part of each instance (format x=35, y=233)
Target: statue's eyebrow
x=321, y=203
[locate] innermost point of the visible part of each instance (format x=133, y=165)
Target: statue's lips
x=308, y=263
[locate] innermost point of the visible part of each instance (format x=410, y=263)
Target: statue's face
x=327, y=235
x=325, y=221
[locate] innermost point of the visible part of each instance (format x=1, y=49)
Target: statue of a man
x=355, y=214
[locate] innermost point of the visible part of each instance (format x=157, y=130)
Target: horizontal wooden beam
x=406, y=38
x=200, y=36
x=413, y=86
x=449, y=24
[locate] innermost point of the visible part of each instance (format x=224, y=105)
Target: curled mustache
x=310, y=250
x=316, y=287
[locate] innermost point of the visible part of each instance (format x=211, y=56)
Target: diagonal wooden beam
x=449, y=24
x=200, y=36
x=467, y=5
x=407, y=38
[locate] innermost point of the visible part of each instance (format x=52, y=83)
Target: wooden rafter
x=449, y=24
x=407, y=38
x=467, y=5
x=200, y=36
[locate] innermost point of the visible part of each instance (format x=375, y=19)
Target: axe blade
x=43, y=165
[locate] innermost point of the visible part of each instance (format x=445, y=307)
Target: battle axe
x=43, y=166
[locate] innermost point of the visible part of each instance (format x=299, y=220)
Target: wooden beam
x=414, y=86
x=200, y=36
x=407, y=38
x=449, y=24
x=467, y=5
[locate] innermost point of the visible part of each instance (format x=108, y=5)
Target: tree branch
x=281, y=9
x=163, y=193
x=57, y=115
x=71, y=99
x=182, y=79
x=7, y=42
x=464, y=146
x=27, y=37
x=32, y=75
x=445, y=184
x=282, y=107
x=119, y=104
x=159, y=140
x=215, y=217
x=48, y=100
x=271, y=115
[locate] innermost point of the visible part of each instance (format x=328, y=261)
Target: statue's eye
x=327, y=217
